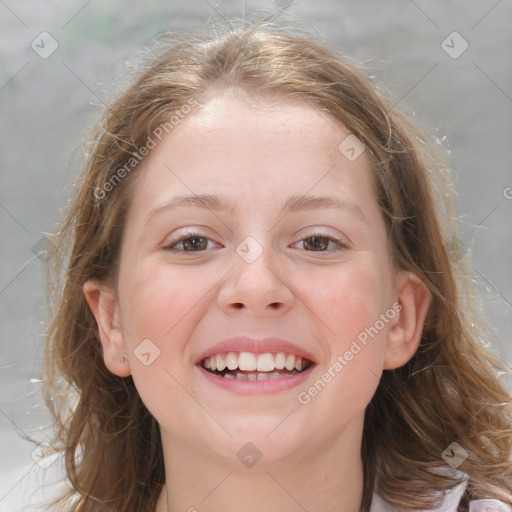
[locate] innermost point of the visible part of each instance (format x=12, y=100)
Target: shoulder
x=450, y=503
x=488, y=506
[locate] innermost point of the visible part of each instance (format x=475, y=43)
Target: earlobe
x=405, y=334
x=103, y=303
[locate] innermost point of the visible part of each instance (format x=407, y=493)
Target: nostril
x=272, y=305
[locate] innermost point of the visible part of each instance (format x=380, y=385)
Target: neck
x=328, y=478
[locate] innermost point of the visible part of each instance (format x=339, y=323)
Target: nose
x=256, y=287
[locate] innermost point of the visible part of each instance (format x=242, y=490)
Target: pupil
x=317, y=242
x=195, y=242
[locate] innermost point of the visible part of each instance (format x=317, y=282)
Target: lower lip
x=256, y=387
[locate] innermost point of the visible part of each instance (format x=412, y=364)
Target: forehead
x=251, y=147
x=246, y=116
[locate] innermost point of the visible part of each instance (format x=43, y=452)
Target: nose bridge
x=254, y=265
x=255, y=283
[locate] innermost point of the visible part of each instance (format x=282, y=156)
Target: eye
x=320, y=243
x=191, y=242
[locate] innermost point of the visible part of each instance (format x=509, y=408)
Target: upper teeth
x=249, y=361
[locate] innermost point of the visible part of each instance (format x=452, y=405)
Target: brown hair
x=449, y=390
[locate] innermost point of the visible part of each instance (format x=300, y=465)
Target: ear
x=104, y=306
x=405, y=334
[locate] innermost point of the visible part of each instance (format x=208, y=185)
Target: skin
x=257, y=154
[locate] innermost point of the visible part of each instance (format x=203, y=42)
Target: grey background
x=48, y=103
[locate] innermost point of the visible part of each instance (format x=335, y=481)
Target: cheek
x=160, y=307
x=346, y=301
x=353, y=315
x=160, y=301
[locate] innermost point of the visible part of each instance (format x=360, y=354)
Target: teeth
x=250, y=362
x=221, y=365
x=247, y=361
x=280, y=361
x=265, y=363
x=290, y=362
x=232, y=361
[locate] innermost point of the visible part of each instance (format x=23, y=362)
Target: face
x=252, y=241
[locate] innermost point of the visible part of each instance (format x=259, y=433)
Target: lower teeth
x=253, y=376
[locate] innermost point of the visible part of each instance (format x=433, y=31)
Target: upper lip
x=256, y=346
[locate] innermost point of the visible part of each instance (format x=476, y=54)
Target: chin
x=259, y=438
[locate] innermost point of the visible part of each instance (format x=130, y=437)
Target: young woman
x=259, y=311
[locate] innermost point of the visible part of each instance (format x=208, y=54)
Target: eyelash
x=340, y=244
x=191, y=234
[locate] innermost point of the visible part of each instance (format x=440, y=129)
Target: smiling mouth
x=253, y=367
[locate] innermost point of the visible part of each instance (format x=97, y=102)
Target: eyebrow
x=222, y=204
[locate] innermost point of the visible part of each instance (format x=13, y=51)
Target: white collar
x=450, y=503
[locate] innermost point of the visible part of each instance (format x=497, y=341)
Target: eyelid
x=341, y=242
x=189, y=232
x=323, y=232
